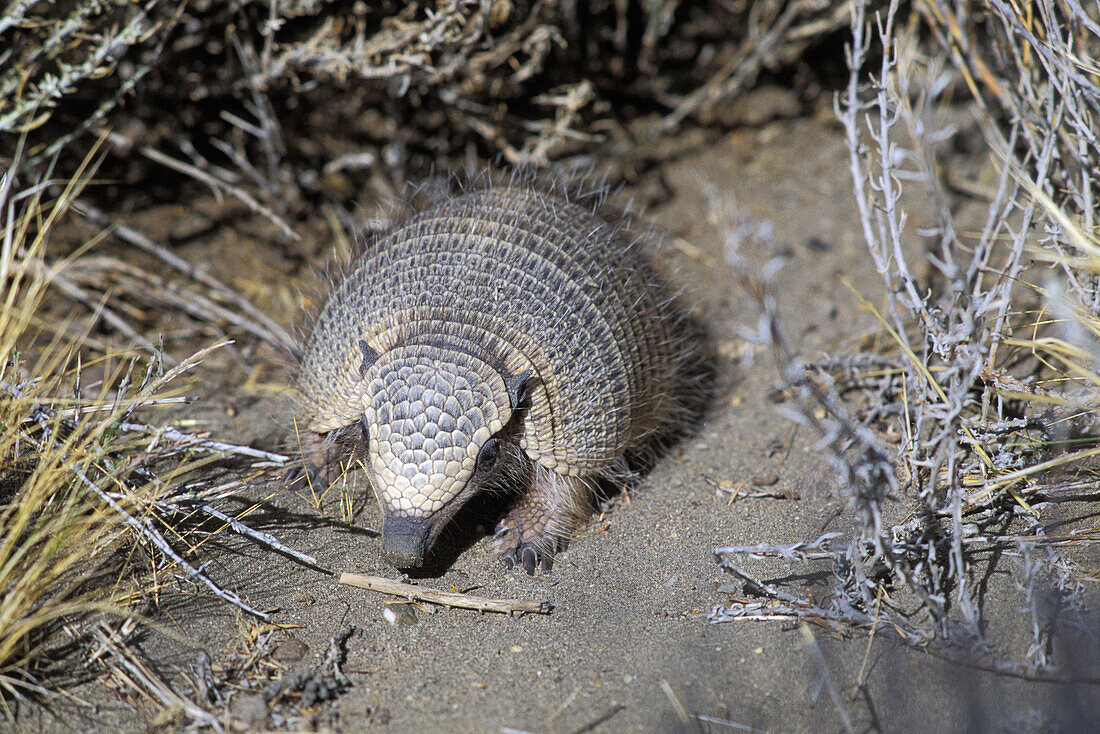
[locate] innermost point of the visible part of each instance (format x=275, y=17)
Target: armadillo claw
x=305, y=474
x=527, y=547
x=529, y=557
x=293, y=476
x=321, y=463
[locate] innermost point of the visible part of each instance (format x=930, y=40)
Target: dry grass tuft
x=97, y=494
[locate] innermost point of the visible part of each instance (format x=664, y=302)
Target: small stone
x=516, y=648
x=247, y=711
x=290, y=651
x=766, y=481
x=399, y=615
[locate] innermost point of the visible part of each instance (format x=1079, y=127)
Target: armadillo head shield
x=428, y=415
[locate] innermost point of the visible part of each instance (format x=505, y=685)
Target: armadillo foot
x=307, y=475
x=526, y=535
x=319, y=467
x=529, y=554
x=540, y=522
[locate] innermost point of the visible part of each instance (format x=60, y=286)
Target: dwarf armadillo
x=501, y=339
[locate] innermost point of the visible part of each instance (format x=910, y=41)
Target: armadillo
x=502, y=339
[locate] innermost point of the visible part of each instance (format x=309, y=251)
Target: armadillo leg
x=541, y=520
x=322, y=463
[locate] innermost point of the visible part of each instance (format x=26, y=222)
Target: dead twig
x=146, y=529
x=446, y=598
x=131, y=670
x=257, y=322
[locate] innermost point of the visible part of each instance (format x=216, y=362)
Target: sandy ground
x=625, y=646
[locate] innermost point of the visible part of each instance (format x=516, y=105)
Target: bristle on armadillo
x=499, y=337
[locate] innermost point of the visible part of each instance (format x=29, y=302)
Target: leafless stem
x=258, y=323
x=146, y=529
x=446, y=598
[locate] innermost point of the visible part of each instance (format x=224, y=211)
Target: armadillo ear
x=369, y=356
x=517, y=387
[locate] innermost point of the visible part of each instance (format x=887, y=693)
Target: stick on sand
x=446, y=598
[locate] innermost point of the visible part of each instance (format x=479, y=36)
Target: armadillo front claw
x=527, y=547
x=528, y=556
x=318, y=467
x=296, y=476
x=306, y=474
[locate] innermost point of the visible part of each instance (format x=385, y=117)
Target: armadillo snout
x=405, y=540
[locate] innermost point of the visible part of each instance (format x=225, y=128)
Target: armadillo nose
x=405, y=539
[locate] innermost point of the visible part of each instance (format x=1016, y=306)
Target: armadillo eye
x=487, y=457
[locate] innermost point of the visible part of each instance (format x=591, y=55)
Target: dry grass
x=100, y=499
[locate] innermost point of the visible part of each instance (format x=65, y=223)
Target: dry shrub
x=990, y=377
x=383, y=85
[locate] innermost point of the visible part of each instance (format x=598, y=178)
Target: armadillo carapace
x=502, y=339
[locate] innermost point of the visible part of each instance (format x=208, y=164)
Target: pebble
x=247, y=712
x=399, y=615
x=290, y=651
